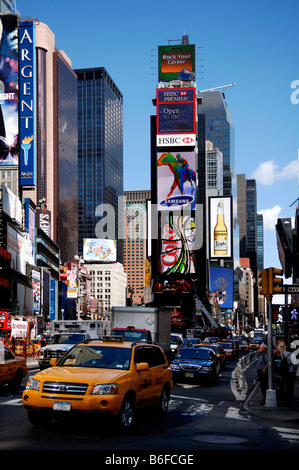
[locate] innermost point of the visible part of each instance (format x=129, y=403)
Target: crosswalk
x=291, y=435
x=196, y=407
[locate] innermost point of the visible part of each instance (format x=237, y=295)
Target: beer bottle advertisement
x=220, y=227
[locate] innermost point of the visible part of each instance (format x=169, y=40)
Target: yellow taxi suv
x=108, y=375
x=12, y=368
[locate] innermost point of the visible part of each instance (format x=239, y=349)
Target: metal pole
x=271, y=399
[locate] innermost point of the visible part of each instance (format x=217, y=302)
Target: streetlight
x=80, y=261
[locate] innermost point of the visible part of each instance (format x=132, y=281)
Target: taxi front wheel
x=126, y=414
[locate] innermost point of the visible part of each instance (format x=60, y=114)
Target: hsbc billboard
x=176, y=140
x=176, y=117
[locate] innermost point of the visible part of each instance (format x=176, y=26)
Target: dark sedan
x=194, y=364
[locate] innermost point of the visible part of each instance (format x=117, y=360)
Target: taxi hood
x=89, y=375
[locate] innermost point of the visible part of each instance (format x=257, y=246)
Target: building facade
x=108, y=285
x=135, y=246
x=56, y=151
x=100, y=156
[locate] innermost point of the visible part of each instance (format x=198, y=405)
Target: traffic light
x=264, y=281
x=275, y=283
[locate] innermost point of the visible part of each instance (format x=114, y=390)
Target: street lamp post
x=80, y=261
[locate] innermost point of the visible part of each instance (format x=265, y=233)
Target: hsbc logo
x=176, y=140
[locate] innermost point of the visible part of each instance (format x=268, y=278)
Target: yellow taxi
x=108, y=375
x=12, y=368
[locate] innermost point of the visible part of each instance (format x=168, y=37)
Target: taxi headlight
x=105, y=389
x=33, y=384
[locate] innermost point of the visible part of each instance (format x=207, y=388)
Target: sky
x=254, y=45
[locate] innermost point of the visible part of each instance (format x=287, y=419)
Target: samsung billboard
x=27, y=103
x=176, y=180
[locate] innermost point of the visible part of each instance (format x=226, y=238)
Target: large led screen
x=176, y=62
x=9, y=56
x=27, y=103
x=176, y=185
x=176, y=111
x=220, y=217
x=177, y=244
x=95, y=249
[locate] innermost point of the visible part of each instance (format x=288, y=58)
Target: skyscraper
x=100, y=154
x=247, y=219
x=56, y=150
x=135, y=249
x=219, y=130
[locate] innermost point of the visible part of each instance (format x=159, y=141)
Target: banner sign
x=27, y=103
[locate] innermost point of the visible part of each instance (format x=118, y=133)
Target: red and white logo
x=188, y=140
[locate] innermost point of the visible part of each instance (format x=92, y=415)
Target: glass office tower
x=100, y=153
x=219, y=130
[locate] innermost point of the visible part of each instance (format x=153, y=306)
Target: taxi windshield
x=67, y=339
x=101, y=357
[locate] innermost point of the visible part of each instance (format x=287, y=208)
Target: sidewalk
x=253, y=401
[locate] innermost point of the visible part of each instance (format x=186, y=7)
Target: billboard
x=177, y=244
x=176, y=62
x=176, y=180
x=95, y=249
x=27, y=103
x=9, y=113
x=176, y=111
x=11, y=205
x=222, y=286
x=220, y=225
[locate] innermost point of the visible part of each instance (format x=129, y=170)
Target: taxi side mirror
x=53, y=361
x=142, y=366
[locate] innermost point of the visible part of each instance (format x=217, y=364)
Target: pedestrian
x=262, y=369
x=288, y=375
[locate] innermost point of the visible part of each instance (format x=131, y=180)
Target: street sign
x=290, y=289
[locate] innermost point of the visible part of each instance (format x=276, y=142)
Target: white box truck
x=67, y=333
x=154, y=323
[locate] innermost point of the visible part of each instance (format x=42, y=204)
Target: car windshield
x=214, y=348
x=194, y=353
x=174, y=339
x=67, y=339
x=226, y=345
x=101, y=357
x=130, y=335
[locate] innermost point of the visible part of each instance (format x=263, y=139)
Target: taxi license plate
x=62, y=406
x=189, y=374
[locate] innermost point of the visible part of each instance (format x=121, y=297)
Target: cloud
x=268, y=172
x=270, y=217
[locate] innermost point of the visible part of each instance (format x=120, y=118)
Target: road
x=200, y=418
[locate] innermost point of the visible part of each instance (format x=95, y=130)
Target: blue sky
x=254, y=45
